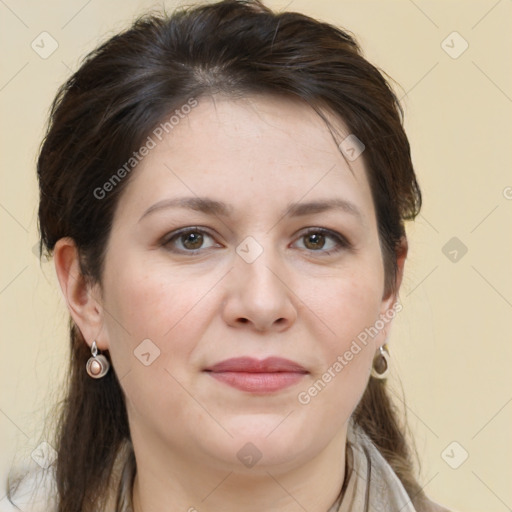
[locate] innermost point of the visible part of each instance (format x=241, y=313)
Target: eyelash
x=341, y=241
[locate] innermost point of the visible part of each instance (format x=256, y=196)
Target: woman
x=224, y=193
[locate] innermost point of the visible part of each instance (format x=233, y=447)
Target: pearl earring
x=97, y=366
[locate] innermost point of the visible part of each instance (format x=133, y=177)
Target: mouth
x=257, y=376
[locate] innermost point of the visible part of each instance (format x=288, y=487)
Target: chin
x=263, y=441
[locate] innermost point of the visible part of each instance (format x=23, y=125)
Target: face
x=243, y=235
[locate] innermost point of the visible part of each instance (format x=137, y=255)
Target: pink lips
x=255, y=376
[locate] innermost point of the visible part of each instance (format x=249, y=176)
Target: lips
x=251, y=365
x=257, y=376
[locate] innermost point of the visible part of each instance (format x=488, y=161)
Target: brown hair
x=103, y=114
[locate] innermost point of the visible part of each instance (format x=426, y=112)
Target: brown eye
x=189, y=240
x=192, y=241
x=322, y=241
x=314, y=241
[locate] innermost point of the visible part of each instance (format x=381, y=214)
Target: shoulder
x=32, y=490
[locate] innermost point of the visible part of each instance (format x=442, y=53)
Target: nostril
x=243, y=320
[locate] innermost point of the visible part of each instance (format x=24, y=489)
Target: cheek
x=350, y=308
x=150, y=299
x=155, y=321
x=152, y=305
x=346, y=308
x=346, y=303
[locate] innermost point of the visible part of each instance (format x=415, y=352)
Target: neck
x=192, y=487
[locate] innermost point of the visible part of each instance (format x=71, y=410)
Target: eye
x=189, y=240
x=322, y=240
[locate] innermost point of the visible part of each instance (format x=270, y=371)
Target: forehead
x=263, y=149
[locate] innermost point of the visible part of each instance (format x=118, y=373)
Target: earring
x=97, y=366
x=381, y=363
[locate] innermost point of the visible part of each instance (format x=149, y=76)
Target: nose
x=258, y=296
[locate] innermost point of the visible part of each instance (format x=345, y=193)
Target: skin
x=304, y=299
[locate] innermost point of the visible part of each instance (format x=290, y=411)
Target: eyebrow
x=213, y=207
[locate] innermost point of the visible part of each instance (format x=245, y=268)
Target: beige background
x=451, y=345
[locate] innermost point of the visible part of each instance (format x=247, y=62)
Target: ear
x=82, y=298
x=401, y=255
x=389, y=305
